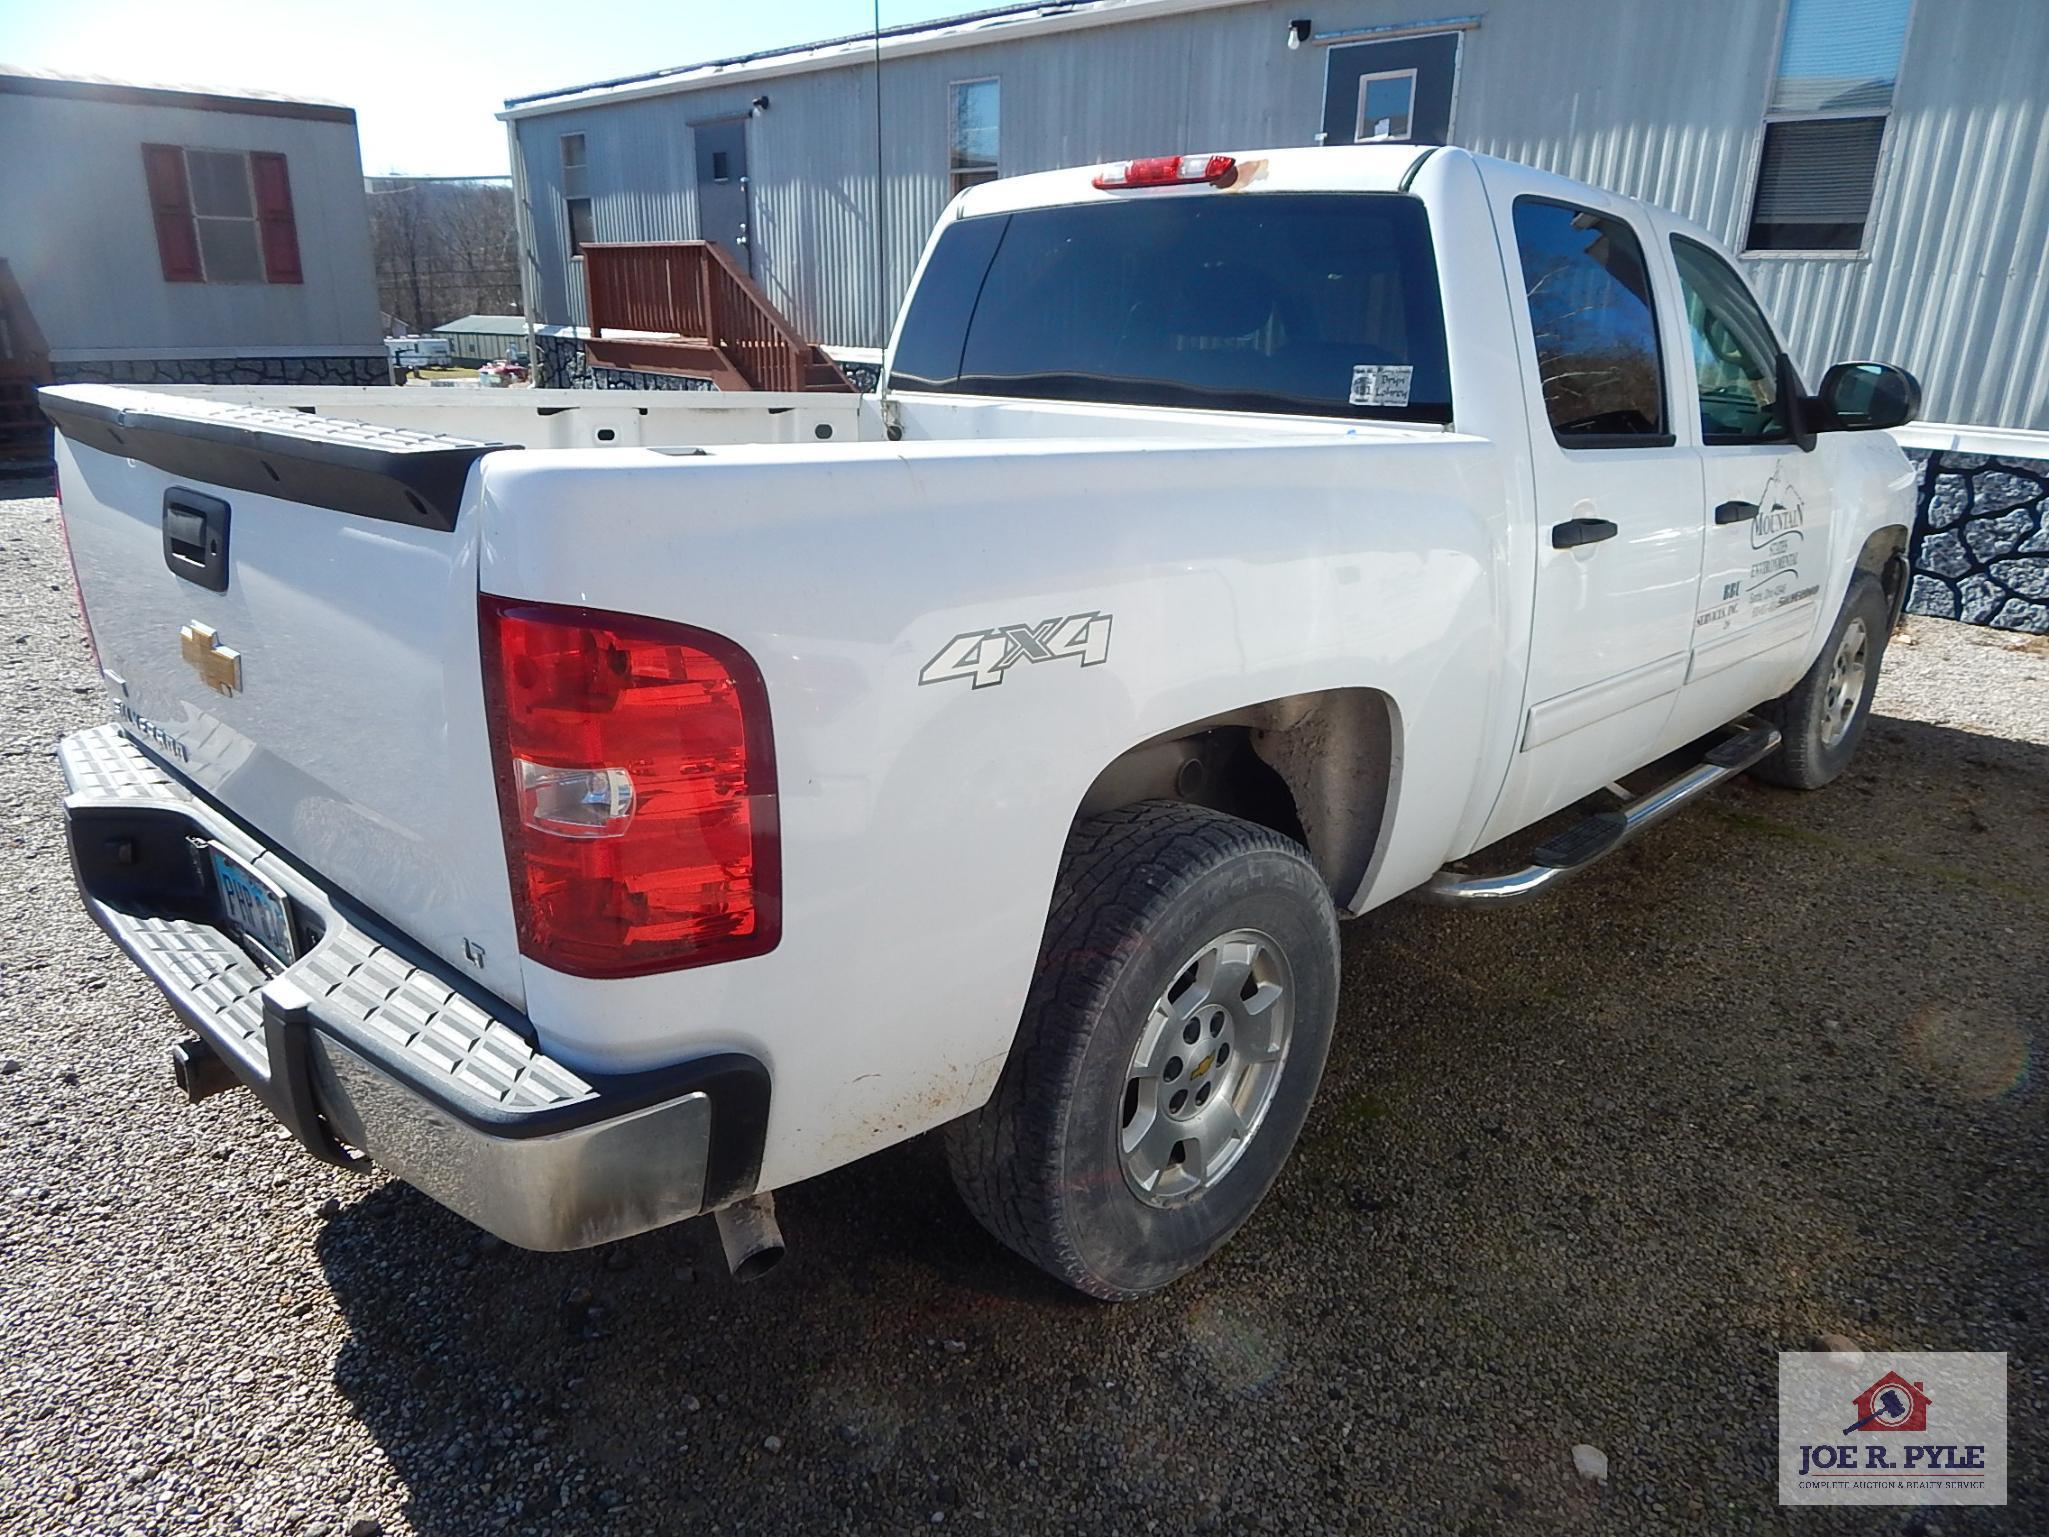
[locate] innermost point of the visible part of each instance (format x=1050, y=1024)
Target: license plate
x=253, y=908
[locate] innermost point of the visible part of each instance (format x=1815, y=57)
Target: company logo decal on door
x=1775, y=578
x=1778, y=537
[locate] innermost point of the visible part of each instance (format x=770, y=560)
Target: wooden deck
x=696, y=312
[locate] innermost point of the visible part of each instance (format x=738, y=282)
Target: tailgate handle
x=196, y=538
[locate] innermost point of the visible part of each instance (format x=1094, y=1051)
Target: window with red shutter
x=274, y=216
x=170, y=203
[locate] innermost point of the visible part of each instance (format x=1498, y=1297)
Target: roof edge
x=943, y=35
x=118, y=92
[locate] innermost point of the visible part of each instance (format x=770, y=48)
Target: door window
x=1596, y=331
x=1735, y=355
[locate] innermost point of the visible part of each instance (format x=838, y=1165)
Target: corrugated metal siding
x=1954, y=285
x=1661, y=102
x=1217, y=77
x=78, y=234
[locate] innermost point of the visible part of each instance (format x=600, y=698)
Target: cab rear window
x=1316, y=303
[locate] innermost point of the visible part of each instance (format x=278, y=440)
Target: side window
x=1596, y=332
x=222, y=215
x=1387, y=105
x=576, y=202
x=1735, y=355
x=1824, y=127
x=973, y=120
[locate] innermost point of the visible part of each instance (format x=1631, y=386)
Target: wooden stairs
x=24, y=364
x=691, y=309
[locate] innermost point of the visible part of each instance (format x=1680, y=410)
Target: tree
x=445, y=247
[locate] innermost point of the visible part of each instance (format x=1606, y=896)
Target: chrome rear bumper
x=364, y=1044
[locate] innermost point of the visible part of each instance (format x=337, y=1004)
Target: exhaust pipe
x=200, y=1072
x=753, y=1242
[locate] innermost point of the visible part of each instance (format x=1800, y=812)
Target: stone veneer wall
x=1980, y=548
x=560, y=364
x=306, y=370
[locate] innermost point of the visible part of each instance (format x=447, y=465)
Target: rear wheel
x=1823, y=717
x=1169, y=1050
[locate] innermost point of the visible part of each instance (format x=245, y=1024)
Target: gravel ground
x=1575, y=1175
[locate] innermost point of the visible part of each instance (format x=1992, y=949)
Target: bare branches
x=444, y=249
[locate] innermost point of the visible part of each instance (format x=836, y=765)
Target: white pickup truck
x=723, y=787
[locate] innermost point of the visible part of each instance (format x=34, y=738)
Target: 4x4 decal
x=988, y=655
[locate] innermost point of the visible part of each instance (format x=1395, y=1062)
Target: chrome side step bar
x=1590, y=840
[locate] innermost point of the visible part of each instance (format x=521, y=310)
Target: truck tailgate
x=285, y=610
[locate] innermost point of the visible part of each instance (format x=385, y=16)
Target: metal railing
x=690, y=296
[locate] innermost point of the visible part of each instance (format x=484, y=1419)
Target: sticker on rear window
x=1381, y=384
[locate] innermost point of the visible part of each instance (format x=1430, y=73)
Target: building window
x=1597, y=336
x=1824, y=127
x=576, y=202
x=222, y=216
x=1387, y=102
x=971, y=133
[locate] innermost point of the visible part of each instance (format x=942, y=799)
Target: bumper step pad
x=365, y=1043
x=440, y=1031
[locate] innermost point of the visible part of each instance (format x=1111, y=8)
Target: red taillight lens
x=1166, y=171
x=636, y=783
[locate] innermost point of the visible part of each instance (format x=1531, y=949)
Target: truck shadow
x=629, y=1386
x=1622, y=1144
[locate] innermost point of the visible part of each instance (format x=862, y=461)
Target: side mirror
x=1864, y=397
x=1794, y=406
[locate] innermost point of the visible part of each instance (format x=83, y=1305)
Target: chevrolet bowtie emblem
x=218, y=667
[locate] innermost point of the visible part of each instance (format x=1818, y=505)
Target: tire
x=1823, y=717
x=1155, y=899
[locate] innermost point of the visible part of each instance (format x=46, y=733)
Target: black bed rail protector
x=390, y=473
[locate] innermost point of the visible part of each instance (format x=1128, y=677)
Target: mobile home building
x=164, y=235
x=1882, y=165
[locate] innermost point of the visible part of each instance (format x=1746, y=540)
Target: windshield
x=1317, y=303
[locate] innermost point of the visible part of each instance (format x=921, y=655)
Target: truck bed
x=352, y=733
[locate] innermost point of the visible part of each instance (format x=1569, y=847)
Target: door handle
x=1575, y=532
x=1735, y=512
x=196, y=538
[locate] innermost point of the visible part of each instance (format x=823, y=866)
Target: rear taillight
x=1166, y=171
x=636, y=783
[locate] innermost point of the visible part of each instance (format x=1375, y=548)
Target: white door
x=1618, y=497
x=1770, y=511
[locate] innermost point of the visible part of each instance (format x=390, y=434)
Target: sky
x=425, y=76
